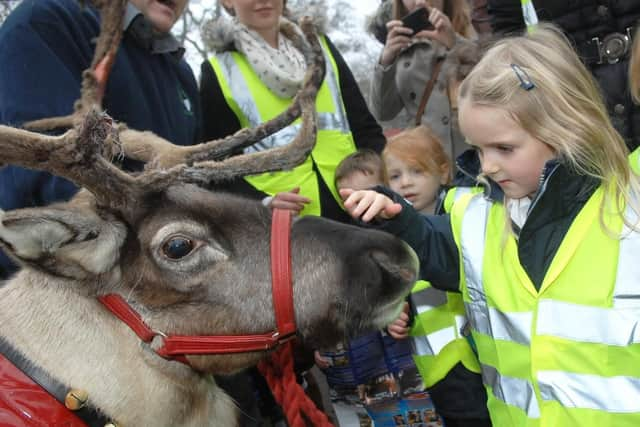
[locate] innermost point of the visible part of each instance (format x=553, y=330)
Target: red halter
x=177, y=346
x=278, y=367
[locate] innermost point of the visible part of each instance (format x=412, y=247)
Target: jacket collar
x=138, y=27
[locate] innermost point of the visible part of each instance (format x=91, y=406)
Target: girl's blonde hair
x=419, y=148
x=564, y=110
x=458, y=12
x=634, y=68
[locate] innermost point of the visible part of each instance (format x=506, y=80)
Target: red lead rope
x=277, y=369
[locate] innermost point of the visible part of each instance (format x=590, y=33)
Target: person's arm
x=384, y=97
x=33, y=41
x=430, y=236
x=366, y=131
x=218, y=120
x=43, y=54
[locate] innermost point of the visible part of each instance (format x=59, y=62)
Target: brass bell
x=76, y=399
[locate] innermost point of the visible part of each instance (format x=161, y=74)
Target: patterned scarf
x=281, y=70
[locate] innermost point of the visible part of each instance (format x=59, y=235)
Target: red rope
x=277, y=369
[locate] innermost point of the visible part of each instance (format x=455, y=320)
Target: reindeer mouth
x=384, y=290
x=402, y=275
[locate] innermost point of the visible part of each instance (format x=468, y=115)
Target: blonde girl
x=417, y=167
x=553, y=301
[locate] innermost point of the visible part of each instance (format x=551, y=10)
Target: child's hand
x=399, y=328
x=289, y=200
x=322, y=362
x=367, y=204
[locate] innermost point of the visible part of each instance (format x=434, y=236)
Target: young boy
x=361, y=170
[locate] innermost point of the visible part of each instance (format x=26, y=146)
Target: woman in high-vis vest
x=547, y=258
x=253, y=76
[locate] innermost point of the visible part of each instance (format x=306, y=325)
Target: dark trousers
x=471, y=422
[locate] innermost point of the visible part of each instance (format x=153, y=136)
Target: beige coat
x=401, y=85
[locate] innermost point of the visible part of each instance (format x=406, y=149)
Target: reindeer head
x=190, y=261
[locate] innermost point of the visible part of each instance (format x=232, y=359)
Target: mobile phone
x=418, y=20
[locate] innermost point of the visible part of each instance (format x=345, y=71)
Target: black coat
x=582, y=20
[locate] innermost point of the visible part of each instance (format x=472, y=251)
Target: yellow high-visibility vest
x=634, y=161
x=566, y=355
x=438, y=319
x=439, y=345
x=254, y=103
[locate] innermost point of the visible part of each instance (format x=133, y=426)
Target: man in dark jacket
x=44, y=47
x=601, y=31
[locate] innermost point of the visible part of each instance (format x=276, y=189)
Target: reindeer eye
x=177, y=247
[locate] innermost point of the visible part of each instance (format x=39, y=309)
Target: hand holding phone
x=418, y=20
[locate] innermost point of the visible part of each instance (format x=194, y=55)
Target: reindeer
x=187, y=261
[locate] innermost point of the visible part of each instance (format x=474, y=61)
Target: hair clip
x=525, y=80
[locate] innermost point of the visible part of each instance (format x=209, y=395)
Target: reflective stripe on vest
x=634, y=161
x=563, y=347
x=454, y=194
x=438, y=344
x=439, y=318
x=426, y=302
x=529, y=14
x=242, y=96
x=254, y=104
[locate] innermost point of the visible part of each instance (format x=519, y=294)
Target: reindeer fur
x=113, y=238
x=346, y=279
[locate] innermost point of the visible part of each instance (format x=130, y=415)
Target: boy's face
x=359, y=181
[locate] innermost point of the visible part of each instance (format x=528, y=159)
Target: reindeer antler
x=159, y=153
x=76, y=155
x=79, y=154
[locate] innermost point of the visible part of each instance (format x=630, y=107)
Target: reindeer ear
x=66, y=240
